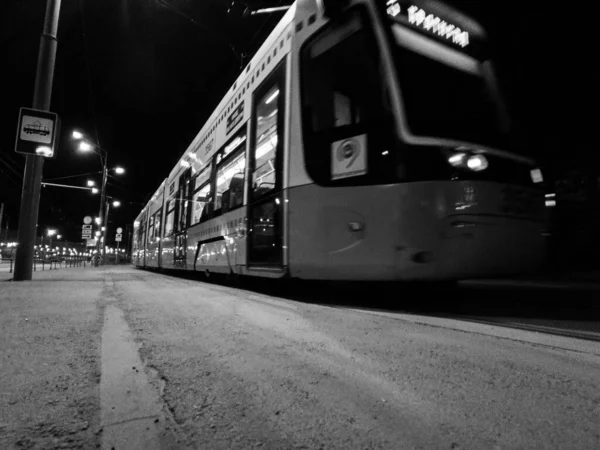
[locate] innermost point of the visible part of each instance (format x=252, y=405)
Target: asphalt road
x=243, y=369
x=122, y=358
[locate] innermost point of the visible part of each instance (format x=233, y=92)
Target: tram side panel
x=167, y=250
x=219, y=245
x=139, y=243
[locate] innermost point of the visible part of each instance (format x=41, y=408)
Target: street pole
x=102, y=200
x=32, y=178
x=107, y=207
x=1, y=217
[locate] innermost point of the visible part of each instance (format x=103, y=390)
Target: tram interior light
x=272, y=97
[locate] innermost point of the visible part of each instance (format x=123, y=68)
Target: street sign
x=118, y=237
x=37, y=133
x=86, y=231
x=87, y=220
x=91, y=242
x=119, y=230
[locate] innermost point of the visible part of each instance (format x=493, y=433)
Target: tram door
x=183, y=212
x=265, y=210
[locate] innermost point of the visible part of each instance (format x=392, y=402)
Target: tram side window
x=202, y=196
x=186, y=188
x=183, y=212
x=151, y=229
x=231, y=166
x=342, y=98
x=157, y=224
x=143, y=232
x=263, y=176
x=202, y=199
x=230, y=182
x=170, y=219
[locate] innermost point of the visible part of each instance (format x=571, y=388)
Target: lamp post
x=32, y=177
x=85, y=146
x=116, y=204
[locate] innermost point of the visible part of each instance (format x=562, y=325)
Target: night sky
x=146, y=73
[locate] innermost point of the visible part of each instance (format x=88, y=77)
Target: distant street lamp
x=85, y=146
x=91, y=183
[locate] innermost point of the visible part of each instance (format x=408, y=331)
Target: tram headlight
x=474, y=162
x=457, y=159
x=477, y=163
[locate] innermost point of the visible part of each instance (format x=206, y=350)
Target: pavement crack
x=133, y=419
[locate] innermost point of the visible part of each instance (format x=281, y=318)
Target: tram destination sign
x=445, y=25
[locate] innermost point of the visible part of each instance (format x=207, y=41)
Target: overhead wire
x=74, y=176
x=9, y=176
x=7, y=163
x=176, y=10
x=91, y=93
x=261, y=27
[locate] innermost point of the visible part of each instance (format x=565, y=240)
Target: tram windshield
x=445, y=81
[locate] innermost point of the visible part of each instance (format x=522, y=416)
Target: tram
x=365, y=140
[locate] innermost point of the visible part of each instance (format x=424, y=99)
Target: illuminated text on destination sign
x=431, y=23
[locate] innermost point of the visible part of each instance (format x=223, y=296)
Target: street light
x=91, y=183
x=85, y=145
x=51, y=233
